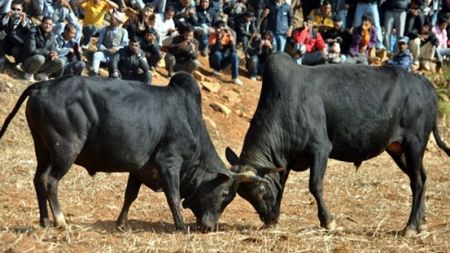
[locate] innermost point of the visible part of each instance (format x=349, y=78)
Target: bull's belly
x=356, y=153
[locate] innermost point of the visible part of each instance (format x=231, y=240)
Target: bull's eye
x=225, y=194
x=261, y=190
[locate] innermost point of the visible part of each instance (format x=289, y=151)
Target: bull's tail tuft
x=16, y=108
x=439, y=141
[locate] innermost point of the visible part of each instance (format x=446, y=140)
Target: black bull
x=351, y=113
x=155, y=133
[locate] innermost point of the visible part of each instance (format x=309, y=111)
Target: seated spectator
x=14, y=27
x=165, y=26
x=442, y=50
x=234, y=10
x=423, y=46
x=61, y=13
x=245, y=28
x=41, y=58
x=184, y=13
x=111, y=39
x=150, y=47
x=139, y=23
x=206, y=16
x=5, y=6
x=258, y=52
x=403, y=57
x=94, y=16
x=222, y=52
x=364, y=39
x=309, y=44
x=322, y=17
x=130, y=63
x=338, y=36
x=158, y=5
x=183, y=52
x=69, y=50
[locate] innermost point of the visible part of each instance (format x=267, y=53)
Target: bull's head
x=265, y=196
x=212, y=195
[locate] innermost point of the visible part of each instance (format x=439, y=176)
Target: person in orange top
x=94, y=17
x=364, y=38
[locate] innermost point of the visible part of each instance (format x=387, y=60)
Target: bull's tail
x=438, y=139
x=16, y=108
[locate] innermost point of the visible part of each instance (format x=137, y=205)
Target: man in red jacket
x=309, y=44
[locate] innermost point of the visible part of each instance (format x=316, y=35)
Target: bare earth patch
x=371, y=205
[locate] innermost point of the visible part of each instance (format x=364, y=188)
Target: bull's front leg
x=131, y=194
x=318, y=167
x=170, y=176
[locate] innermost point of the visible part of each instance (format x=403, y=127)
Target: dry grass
x=371, y=205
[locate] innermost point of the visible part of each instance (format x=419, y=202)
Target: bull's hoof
x=409, y=233
x=122, y=226
x=422, y=228
x=45, y=223
x=331, y=226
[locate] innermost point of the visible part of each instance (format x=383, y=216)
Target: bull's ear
x=249, y=176
x=265, y=171
x=231, y=156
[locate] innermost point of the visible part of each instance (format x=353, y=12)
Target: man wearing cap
x=111, y=39
x=403, y=57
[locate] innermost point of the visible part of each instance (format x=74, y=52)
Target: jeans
x=393, y=19
x=280, y=42
x=40, y=64
x=88, y=32
x=218, y=61
x=372, y=10
x=98, y=58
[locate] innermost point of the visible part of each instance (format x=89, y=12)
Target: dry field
x=371, y=205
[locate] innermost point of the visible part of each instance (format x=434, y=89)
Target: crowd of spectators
x=49, y=38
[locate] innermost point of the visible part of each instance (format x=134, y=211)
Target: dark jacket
x=129, y=64
x=241, y=27
x=183, y=55
x=280, y=17
x=205, y=16
x=38, y=43
x=396, y=5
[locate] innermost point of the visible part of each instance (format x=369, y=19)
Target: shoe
x=41, y=77
x=115, y=75
x=253, y=78
x=438, y=68
x=28, y=77
x=425, y=65
x=216, y=73
x=237, y=81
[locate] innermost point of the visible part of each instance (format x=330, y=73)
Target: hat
x=120, y=16
x=403, y=39
x=336, y=18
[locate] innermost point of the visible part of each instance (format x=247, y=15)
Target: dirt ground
x=371, y=205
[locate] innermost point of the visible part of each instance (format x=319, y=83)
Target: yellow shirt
x=94, y=14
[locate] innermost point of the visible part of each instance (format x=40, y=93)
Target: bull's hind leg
x=411, y=163
x=62, y=159
x=40, y=183
x=131, y=194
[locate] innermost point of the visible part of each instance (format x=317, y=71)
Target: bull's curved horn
x=249, y=176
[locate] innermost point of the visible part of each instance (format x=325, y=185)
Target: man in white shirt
x=165, y=26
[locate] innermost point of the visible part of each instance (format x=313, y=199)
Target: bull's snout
x=207, y=223
x=270, y=219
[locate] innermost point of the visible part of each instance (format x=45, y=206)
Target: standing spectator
x=364, y=40
x=414, y=18
x=223, y=52
x=394, y=17
x=139, y=23
x=440, y=30
x=68, y=48
x=14, y=29
x=41, y=58
x=130, y=63
x=258, y=52
x=423, y=46
x=403, y=57
x=369, y=7
x=61, y=13
x=165, y=26
x=111, y=39
x=245, y=28
x=206, y=17
x=183, y=53
x=309, y=44
x=94, y=16
x=150, y=47
x=279, y=21
x=339, y=8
